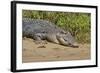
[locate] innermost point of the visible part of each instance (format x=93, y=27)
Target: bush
x=79, y=24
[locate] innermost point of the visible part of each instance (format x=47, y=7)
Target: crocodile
x=39, y=29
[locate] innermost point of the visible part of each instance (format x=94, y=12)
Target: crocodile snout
x=75, y=45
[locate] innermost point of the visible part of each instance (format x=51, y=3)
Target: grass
x=79, y=24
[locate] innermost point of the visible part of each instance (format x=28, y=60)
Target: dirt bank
x=39, y=52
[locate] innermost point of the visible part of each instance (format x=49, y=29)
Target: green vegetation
x=78, y=24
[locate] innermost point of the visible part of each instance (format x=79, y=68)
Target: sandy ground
x=41, y=52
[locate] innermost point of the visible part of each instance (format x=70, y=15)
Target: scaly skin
x=44, y=30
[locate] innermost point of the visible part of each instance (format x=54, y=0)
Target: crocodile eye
x=43, y=32
x=63, y=32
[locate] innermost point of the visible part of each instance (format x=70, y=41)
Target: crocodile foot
x=40, y=42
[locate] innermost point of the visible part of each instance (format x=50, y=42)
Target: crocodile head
x=68, y=38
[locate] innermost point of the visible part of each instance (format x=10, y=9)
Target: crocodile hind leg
x=38, y=39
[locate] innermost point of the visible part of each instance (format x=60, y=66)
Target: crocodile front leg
x=62, y=41
x=52, y=38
